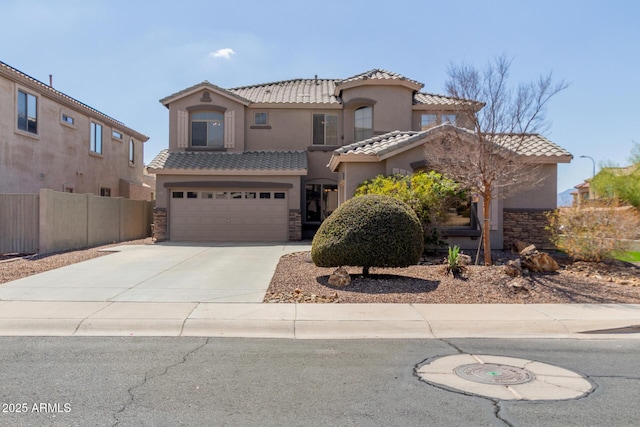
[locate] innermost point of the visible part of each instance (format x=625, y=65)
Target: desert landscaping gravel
x=296, y=279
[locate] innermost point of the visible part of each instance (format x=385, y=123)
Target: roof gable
x=200, y=86
x=381, y=147
x=376, y=77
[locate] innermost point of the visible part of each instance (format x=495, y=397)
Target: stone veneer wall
x=528, y=226
x=159, y=224
x=295, y=224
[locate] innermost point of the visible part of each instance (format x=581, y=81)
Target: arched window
x=207, y=129
x=363, y=123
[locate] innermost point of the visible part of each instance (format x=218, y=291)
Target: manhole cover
x=489, y=373
x=504, y=378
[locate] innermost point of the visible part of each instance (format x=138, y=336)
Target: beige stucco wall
x=544, y=196
x=391, y=108
x=58, y=156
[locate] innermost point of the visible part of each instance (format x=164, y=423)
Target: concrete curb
x=317, y=321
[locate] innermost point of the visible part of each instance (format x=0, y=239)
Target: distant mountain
x=565, y=198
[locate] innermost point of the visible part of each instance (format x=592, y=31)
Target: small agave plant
x=453, y=265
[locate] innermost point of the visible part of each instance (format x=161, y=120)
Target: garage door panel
x=229, y=219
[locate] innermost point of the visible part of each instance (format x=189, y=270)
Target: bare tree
x=487, y=157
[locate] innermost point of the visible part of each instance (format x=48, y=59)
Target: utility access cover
x=490, y=373
x=504, y=378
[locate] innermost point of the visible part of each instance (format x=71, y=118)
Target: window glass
x=207, y=195
x=67, y=119
x=27, y=112
x=265, y=195
x=221, y=195
x=278, y=195
x=363, y=123
x=96, y=138
x=325, y=129
x=260, y=119
x=250, y=195
x=236, y=194
x=115, y=134
x=321, y=200
x=207, y=129
x=105, y=192
x=132, y=151
x=449, y=118
x=427, y=121
x=192, y=195
x=177, y=195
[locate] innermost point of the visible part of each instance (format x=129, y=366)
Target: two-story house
x=265, y=162
x=49, y=140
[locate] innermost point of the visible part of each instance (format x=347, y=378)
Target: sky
x=122, y=57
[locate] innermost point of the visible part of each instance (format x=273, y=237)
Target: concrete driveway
x=165, y=272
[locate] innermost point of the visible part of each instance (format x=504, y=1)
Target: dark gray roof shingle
x=248, y=160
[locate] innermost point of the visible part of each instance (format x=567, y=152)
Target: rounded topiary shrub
x=369, y=231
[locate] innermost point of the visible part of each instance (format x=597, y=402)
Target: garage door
x=228, y=215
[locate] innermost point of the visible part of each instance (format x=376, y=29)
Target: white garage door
x=229, y=215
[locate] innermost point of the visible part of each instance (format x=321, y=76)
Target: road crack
x=151, y=374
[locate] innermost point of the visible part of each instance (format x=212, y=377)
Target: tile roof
x=248, y=160
x=421, y=98
x=9, y=70
x=378, y=74
x=382, y=144
x=301, y=91
x=530, y=145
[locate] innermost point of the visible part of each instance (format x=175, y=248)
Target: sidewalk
x=319, y=321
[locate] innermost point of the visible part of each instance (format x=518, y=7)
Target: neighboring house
x=582, y=193
x=271, y=161
x=49, y=140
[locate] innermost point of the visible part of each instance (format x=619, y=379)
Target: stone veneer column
x=528, y=226
x=295, y=224
x=159, y=224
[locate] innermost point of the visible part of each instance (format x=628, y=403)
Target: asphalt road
x=267, y=382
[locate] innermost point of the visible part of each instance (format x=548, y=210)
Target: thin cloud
x=223, y=53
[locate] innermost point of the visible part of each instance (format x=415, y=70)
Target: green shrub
x=594, y=233
x=453, y=265
x=430, y=195
x=369, y=231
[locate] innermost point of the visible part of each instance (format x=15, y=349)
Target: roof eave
x=203, y=85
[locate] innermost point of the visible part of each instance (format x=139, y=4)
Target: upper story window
x=260, y=119
x=96, y=138
x=363, y=123
x=427, y=121
x=67, y=119
x=207, y=129
x=116, y=135
x=27, y=112
x=449, y=118
x=132, y=152
x=325, y=129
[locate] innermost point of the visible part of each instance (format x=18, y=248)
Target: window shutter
x=183, y=129
x=229, y=129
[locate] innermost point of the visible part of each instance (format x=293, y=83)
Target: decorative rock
x=528, y=251
x=513, y=268
x=541, y=262
x=464, y=259
x=519, y=245
x=340, y=278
